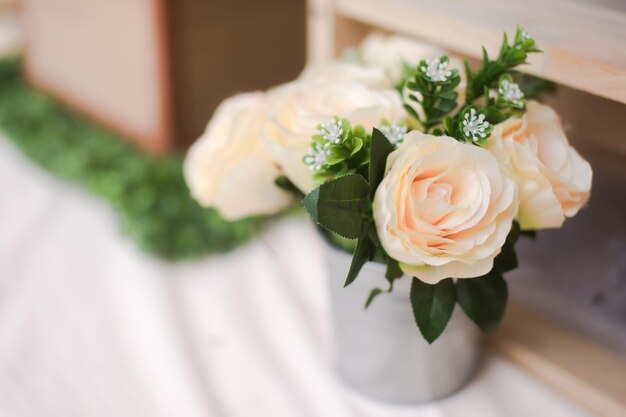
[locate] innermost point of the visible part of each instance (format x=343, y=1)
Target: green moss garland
x=149, y=193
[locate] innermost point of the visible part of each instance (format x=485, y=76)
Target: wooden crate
x=584, y=41
x=154, y=70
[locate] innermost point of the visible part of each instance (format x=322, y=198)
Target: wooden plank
x=320, y=31
x=584, y=44
x=71, y=53
x=572, y=365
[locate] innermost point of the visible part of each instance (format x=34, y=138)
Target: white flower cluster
x=331, y=131
x=316, y=158
x=475, y=126
x=436, y=70
x=511, y=92
x=395, y=133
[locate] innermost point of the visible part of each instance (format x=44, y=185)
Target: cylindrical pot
x=381, y=353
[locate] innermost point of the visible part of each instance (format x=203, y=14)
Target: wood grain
x=572, y=365
x=583, y=43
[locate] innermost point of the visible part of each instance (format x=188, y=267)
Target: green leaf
x=495, y=116
x=515, y=57
x=505, y=46
x=373, y=294
x=514, y=233
x=338, y=205
x=483, y=299
x=284, y=183
x=356, y=145
x=532, y=234
x=393, y=270
x=393, y=273
x=411, y=111
x=381, y=148
x=448, y=124
x=432, y=306
x=468, y=77
x=337, y=155
x=506, y=259
x=364, y=252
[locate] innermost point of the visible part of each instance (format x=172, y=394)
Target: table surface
x=90, y=326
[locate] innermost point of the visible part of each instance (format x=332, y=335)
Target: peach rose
x=554, y=181
x=444, y=208
x=229, y=167
x=296, y=109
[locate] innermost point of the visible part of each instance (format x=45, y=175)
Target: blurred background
x=133, y=304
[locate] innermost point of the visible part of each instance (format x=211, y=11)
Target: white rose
x=334, y=71
x=444, y=208
x=296, y=109
x=554, y=181
x=389, y=53
x=229, y=167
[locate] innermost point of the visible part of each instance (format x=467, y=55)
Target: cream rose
x=554, y=181
x=334, y=71
x=296, y=109
x=389, y=53
x=229, y=167
x=444, y=208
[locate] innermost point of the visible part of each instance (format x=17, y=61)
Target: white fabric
x=90, y=326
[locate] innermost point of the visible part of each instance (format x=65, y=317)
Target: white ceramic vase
x=380, y=351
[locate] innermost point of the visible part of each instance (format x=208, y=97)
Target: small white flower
x=316, y=158
x=436, y=71
x=525, y=37
x=331, y=131
x=394, y=133
x=511, y=92
x=475, y=126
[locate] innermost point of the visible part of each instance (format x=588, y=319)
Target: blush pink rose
x=444, y=208
x=554, y=181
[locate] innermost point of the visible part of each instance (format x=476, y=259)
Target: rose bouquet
x=433, y=172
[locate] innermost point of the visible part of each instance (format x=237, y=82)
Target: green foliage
x=373, y=294
x=393, y=270
x=343, y=205
x=286, y=184
x=432, y=92
x=392, y=273
x=432, y=306
x=483, y=299
x=338, y=205
x=507, y=258
x=381, y=148
x=510, y=56
x=148, y=193
x=338, y=149
x=491, y=94
x=365, y=251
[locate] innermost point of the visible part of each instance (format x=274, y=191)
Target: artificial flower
x=230, y=168
x=444, y=208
